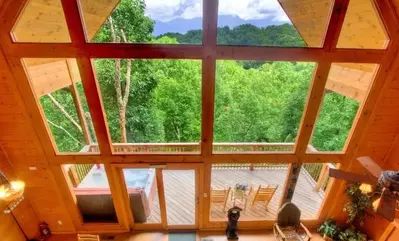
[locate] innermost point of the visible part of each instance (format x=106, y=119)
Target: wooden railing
x=250, y=166
x=195, y=147
x=77, y=172
x=319, y=173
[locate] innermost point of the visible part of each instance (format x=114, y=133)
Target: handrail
x=195, y=147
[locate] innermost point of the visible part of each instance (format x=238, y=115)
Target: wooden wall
x=23, y=148
x=394, y=235
x=24, y=212
x=9, y=231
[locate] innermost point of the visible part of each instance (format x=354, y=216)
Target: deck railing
x=318, y=172
x=195, y=147
x=77, y=172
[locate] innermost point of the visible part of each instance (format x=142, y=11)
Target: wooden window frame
x=208, y=53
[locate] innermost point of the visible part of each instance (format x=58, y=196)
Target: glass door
x=181, y=198
x=162, y=196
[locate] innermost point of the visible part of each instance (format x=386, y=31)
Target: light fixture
x=12, y=193
x=366, y=188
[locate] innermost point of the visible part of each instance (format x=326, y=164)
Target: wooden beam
x=164, y=51
x=336, y=22
x=316, y=93
x=117, y=197
x=312, y=108
x=90, y=85
x=161, y=196
x=210, y=15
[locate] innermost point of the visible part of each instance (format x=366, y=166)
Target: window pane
x=57, y=85
x=92, y=195
x=149, y=21
x=163, y=104
x=42, y=21
x=142, y=190
x=362, y=28
x=346, y=89
x=310, y=189
x=259, y=105
x=288, y=23
x=238, y=184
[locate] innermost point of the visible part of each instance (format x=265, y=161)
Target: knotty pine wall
x=21, y=144
x=24, y=212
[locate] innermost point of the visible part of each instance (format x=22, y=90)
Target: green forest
x=159, y=101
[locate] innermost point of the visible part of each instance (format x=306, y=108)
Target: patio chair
x=289, y=226
x=88, y=237
x=220, y=196
x=264, y=194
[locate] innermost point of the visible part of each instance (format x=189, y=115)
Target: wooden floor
x=180, y=199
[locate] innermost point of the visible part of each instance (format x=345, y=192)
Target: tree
x=127, y=24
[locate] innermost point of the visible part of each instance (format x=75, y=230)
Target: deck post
x=322, y=177
x=78, y=105
x=74, y=176
x=290, y=183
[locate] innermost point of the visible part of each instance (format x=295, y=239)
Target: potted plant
x=239, y=190
x=329, y=230
x=359, y=203
x=351, y=234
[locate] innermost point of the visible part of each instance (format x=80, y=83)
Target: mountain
x=181, y=25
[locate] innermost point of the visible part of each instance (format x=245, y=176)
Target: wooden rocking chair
x=88, y=237
x=264, y=194
x=289, y=226
x=220, y=196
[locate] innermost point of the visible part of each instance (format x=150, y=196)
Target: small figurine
x=233, y=215
x=45, y=232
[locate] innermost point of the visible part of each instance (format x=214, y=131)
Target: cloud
x=166, y=10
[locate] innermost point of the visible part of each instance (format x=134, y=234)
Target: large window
x=155, y=105
x=255, y=188
x=273, y=23
x=91, y=192
x=154, y=97
x=259, y=105
x=145, y=21
x=341, y=102
x=240, y=88
x=58, y=88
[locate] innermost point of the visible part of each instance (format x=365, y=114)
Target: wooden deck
x=179, y=188
x=179, y=195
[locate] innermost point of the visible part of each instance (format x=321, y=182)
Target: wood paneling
x=24, y=212
x=394, y=235
x=44, y=20
x=9, y=230
x=49, y=77
x=20, y=142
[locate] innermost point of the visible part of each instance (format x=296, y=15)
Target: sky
x=166, y=10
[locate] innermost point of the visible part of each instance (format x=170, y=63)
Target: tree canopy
x=255, y=101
